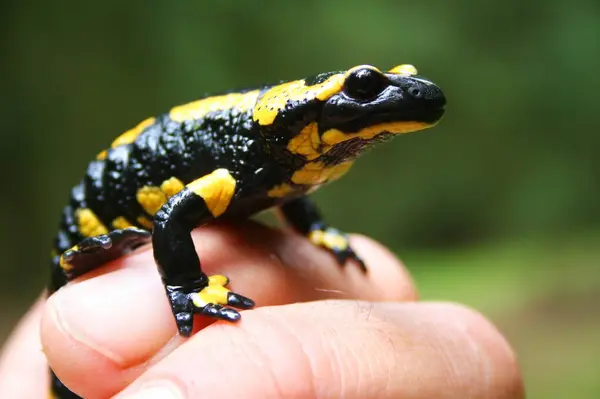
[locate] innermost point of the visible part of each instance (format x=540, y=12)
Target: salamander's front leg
x=303, y=215
x=93, y=252
x=189, y=290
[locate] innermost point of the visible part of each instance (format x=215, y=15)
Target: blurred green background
x=497, y=207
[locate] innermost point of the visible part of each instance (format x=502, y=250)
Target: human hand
x=363, y=336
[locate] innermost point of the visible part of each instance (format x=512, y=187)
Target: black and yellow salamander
x=228, y=157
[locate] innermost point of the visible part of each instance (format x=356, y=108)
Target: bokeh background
x=497, y=207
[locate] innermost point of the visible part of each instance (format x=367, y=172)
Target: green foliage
x=515, y=153
x=542, y=294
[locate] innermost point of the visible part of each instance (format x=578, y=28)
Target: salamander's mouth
x=414, y=119
x=405, y=104
x=429, y=116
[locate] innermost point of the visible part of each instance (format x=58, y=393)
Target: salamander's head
x=338, y=114
x=372, y=102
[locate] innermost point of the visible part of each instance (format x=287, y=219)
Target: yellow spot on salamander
x=102, y=155
x=328, y=88
x=334, y=136
x=130, y=135
x=88, y=223
x=216, y=189
x=151, y=199
x=121, y=223
x=404, y=69
x=281, y=190
x=314, y=173
x=307, y=142
x=214, y=293
x=276, y=98
x=144, y=222
x=218, y=279
x=337, y=171
x=198, y=109
x=66, y=266
x=127, y=137
x=171, y=186
x=329, y=239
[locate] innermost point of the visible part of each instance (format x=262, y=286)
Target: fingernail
x=58, y=313
x=156, y=390
x=125, y=330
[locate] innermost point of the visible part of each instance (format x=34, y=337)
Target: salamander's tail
x=59, y=391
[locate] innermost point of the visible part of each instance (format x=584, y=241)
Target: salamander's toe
x=215, y=295
x=220, y=312
x=335, y=242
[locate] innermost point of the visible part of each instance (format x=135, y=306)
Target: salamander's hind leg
x=303, y=215
x=189, y=290
x=93, y=252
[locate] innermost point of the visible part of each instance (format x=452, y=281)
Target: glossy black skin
x=256, y=156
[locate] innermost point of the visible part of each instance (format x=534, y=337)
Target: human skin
x=319, y=331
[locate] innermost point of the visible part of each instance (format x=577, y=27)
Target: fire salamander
x=229, y=157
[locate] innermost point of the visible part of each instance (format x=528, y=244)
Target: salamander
x=227, y=157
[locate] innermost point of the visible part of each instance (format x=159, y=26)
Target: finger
x=295, y=268
x=343, y=349
x=316, y=273
x=101, y=333
x=23, y=367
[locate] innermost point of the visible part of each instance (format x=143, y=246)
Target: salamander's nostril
x=415, y=92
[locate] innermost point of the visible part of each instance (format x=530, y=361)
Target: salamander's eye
x=364, y=84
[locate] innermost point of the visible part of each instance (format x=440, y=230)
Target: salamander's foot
x=207, y=297
x=335, y=242
x=93, y=252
